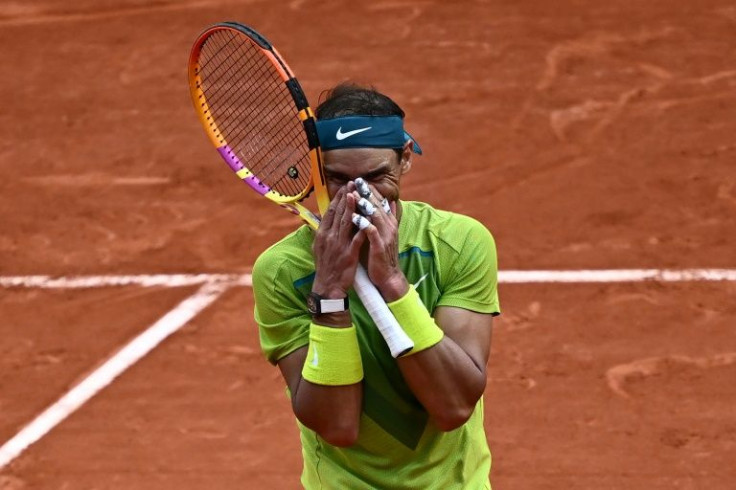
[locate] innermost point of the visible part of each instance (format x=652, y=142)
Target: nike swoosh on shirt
x=416, y=284
x=341, y=136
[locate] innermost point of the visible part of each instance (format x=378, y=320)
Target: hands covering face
x=337, y=244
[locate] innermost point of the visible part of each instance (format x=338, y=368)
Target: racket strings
x=241, y=103
x=269, y=166
x=254, y=111
x=228, y=74
x=244, y=99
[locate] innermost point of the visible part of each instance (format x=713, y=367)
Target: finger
x=346, y=227
x=357, y=242
x=329, y=216
x=361, y=222
x=377, y=201
x=376, y=198
x=362, y=187
x=386, y=206
x=365, y=207
x=382, y=213
x=340, y=208
x=367, y=192
x=357, y=196
x=367, y=228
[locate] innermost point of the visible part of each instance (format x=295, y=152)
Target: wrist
x=333, y=357
x=416, y=321
x=394, y=288
x=334, y=320
x=329, y=310
x=329, y=291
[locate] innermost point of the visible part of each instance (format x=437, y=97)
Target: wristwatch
x=317, y=305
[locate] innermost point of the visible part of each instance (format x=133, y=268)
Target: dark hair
x=350, y=99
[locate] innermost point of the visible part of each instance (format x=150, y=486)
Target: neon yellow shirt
x=452, y=261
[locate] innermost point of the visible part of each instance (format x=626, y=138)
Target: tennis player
x=367, y=420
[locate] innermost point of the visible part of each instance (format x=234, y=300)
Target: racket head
x=256, y=114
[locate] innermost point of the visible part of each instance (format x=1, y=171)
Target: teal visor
x=364, y=132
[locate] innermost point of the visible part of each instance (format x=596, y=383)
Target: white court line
x=508, y=276
x=617, y=275
x=145, y=280
x=214, y=285
x=112, y=368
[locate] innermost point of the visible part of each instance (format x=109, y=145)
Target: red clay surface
x=583, y=134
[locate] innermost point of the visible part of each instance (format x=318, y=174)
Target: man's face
x=380, y=167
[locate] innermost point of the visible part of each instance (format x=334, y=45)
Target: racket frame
x=397, y=340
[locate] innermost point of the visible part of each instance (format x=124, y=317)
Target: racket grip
x=398, y=342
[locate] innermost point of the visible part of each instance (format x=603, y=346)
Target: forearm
x=329, y=393
x=333, y=412
x=440, y=371
x=446, y=380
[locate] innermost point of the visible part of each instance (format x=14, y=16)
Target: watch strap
x=333, y=305
x=319, y=305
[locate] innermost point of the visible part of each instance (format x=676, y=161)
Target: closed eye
x=376, y=174
x=337, y=177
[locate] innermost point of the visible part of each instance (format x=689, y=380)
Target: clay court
x=584, y=135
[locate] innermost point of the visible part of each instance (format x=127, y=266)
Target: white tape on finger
x=363, y=188
x=361, y=221
x=366, y=207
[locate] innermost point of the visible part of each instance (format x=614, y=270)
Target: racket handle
x=398, y=342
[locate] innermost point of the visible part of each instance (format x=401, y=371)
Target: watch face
x=312, y=304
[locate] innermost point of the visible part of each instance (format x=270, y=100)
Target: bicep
x=470, y=330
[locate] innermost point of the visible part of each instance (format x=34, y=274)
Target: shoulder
x=293, y=252
x=456, y=231
x=464, y=254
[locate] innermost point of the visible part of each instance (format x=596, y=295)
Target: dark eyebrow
x=377, y=172
x=336, y=175
x=383, y=169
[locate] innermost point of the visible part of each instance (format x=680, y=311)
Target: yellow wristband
x=333, y=357
x=416, y=321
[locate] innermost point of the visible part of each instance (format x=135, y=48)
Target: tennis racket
x=257, y=116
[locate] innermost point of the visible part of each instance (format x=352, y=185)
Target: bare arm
x=331, y=411
x=449, y=378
